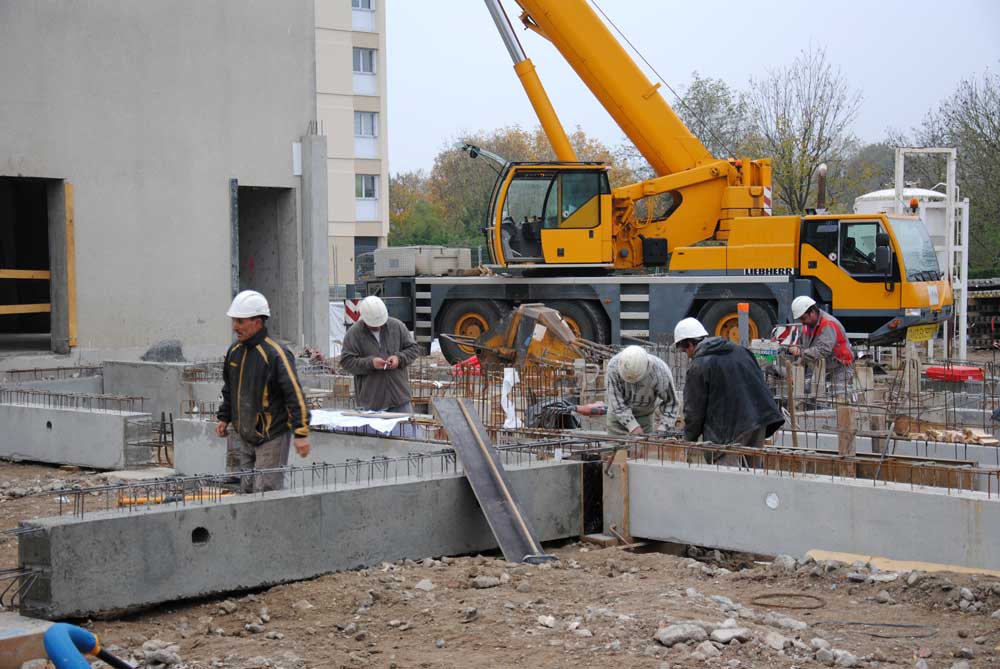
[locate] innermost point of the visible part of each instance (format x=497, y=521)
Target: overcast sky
x=448, y=72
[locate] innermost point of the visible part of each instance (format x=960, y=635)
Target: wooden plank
x=7, y=309
x=25, y=274
x=483, y=469
x=70, y=264
x=21, y=639
x=615, y=495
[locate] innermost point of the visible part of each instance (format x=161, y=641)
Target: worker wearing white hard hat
x=824, y=338
x=377, y=351
x=726, y=400
x=261, y=395
x=640, y=393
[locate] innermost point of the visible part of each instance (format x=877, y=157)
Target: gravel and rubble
x=592, y=608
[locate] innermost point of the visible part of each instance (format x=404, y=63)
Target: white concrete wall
x=149, y=108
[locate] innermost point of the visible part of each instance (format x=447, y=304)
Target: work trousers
x=267, y=455
x=647, y=423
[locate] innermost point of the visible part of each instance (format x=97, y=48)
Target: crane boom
x=631, y=99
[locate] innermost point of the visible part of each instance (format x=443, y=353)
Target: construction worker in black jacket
x=726, y=400
x=261, y=396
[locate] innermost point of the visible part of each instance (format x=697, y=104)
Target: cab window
x=822, y=236
x=580, y=201
x=857, y=247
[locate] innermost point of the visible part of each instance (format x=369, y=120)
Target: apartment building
x=351, y=108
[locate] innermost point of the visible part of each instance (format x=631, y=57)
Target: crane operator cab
x=548, y=213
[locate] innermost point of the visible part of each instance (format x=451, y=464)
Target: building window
x=365, y=124
x=366, y=186
x=363, y=16
x=364, y=61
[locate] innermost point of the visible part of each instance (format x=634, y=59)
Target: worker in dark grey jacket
x=726, y=400
x=261, y=396
x=377, y=350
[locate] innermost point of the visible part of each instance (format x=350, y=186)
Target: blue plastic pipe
x=65, y=645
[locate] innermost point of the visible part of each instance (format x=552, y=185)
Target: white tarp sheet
x=338, y=420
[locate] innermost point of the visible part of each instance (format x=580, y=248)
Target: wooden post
x=790, y=372
x=846, y=431
x=877, y=424
x=615, y=500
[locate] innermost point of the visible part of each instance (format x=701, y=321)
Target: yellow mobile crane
x=693, y=241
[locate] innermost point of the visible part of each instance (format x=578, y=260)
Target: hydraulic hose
x=66, y=645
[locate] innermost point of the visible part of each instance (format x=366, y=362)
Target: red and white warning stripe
x=767, y=201
x=352, y=311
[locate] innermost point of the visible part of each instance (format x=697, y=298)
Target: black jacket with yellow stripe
x=261, y=395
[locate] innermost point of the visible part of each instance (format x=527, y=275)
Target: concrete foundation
x=112, y=561
x=94, y=439
x=730, y=509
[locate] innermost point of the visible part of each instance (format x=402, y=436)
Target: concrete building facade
x=351, y=107
x=156, y=157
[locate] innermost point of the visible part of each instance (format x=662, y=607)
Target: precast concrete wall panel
x=162, y=385
x=94, y=439
x=116, y=561
x=729, y=509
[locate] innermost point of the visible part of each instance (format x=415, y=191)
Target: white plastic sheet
x=337, y=419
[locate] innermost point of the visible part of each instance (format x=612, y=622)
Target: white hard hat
x=633, y=363
x=800, y=305
x=689, y=328
x=373, y=311
x=248, y=304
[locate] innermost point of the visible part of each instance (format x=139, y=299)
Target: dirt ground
x=594, y=607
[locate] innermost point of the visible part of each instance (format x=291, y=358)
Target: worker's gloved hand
x=637, y=430
x=220, y=428
x=302, y=446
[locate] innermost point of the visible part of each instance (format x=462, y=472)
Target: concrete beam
x=198, y=451
x=729, y=509
x=94, y=439
x=987, y=457
x=114, y=561
x=83, y=385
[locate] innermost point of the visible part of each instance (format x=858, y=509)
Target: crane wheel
x=469, y=318
x=721, y=319
x=585, y=320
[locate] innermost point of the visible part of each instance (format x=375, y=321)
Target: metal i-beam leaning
x=485, y=473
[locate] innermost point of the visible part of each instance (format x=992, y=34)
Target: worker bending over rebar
x=640, y=392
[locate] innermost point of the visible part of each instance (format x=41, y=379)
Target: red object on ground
x=955, y=373
x=469, y=366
